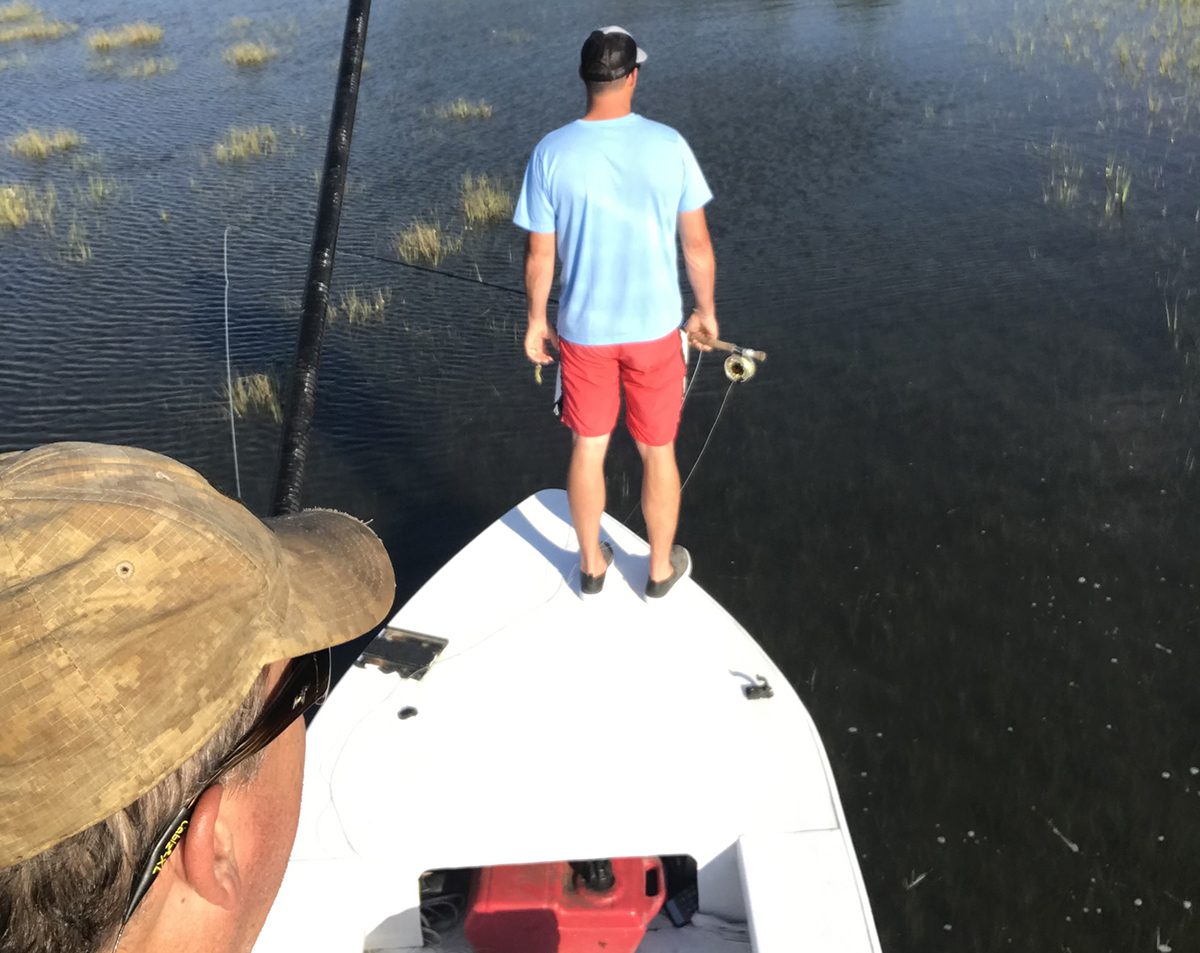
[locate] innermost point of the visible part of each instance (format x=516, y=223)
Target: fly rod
x=302, y=402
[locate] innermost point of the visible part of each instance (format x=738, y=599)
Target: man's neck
x=607, y=107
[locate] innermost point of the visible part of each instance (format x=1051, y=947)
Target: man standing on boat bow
x=608, y=193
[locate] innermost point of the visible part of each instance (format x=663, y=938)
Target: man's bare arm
x=539, y=276
x=701, y=267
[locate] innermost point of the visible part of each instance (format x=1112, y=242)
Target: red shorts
x=652, y=374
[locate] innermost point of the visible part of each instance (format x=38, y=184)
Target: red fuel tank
x=539, y=908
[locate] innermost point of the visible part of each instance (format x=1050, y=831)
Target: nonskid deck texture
x=555, y=726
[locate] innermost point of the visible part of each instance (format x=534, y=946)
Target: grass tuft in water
x=485, y=200
x=463, y=110
x=254, y=393
x=426, y=243
x=250, y=55
x=1117, y=180
x=142, y=68
x=246, y=142
x=17, y=10
x=36, y=29
x=149, y=66
x=22, y=205
x=99, y=190
x=38, y=145
x=240, y=23
x=364, y=307
x=131, y=34
x=1066, y=173
x=79, y=249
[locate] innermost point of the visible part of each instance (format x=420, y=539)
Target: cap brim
x=341, y=579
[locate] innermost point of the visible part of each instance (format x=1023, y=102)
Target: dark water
x=958, y=503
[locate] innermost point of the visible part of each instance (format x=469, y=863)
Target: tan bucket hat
x=137, y=607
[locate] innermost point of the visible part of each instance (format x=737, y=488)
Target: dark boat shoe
x=681, y=568
x=590, y=585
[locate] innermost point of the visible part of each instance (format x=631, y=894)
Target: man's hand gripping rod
x=742, y=361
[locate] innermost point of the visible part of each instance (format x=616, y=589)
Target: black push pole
x=302, y=401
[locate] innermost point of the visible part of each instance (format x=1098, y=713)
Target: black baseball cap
x=609, y=53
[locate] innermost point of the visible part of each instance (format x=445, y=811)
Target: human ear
x=209, y=858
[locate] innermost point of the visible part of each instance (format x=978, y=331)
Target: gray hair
x=70, y=898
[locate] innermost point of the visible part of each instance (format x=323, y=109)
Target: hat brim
x=341, y=579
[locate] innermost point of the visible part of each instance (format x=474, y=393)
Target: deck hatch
x=403, y=651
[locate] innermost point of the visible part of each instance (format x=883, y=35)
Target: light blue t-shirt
x=611, y=191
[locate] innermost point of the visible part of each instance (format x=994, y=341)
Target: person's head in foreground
x=158, y=643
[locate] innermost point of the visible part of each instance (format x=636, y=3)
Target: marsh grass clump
x=249, y=55
x=79, y=249
x=17, y=11
x=254, y=393
x=246, y=142
x=99, y=190
x=485, y=200
x=142, y=68
x=22, y=205
x=240, y=23
x=1124, y=52
x=23, y=21
x=426, y=243
x=122, y=37
x=1168, y=59
x=1066, y=174
x=463, y=110
x=38, y=145
x=364, y=307
x=36, y=29
x=1117, y=180
x=149, y=66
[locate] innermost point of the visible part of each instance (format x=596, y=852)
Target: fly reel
x=742, y=361
x=739, y=368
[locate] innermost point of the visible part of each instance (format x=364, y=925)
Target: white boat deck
x=557, y=727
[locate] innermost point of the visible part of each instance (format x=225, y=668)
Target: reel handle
x=717, y=345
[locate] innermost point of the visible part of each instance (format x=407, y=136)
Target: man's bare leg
x=660, y=505
x=585, y=491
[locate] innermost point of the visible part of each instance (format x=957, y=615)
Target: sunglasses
x=304, y=683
